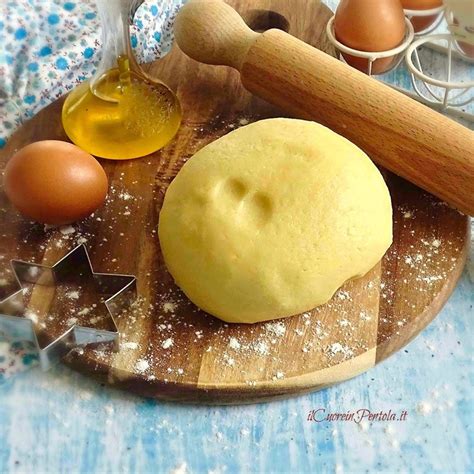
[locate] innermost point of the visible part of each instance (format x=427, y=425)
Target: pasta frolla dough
x=271, y=219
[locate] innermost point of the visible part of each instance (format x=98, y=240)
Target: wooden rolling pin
x=397, y=132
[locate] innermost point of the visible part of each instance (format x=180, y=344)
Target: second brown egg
x=421, y=23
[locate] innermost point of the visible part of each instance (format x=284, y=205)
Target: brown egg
x=366, y=25
x=55, y=182
x=420, y=23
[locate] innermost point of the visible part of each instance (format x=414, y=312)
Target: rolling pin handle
x=212, y=32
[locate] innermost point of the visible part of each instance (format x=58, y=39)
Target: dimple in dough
x=271, y=219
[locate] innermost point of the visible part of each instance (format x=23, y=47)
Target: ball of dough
x=271, y=219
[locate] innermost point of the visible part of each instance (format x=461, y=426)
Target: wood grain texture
x=366, y=321
x=419, y=144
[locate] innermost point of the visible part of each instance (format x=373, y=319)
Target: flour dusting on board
x=142, y=366
x=163, y=332
x=260, y=346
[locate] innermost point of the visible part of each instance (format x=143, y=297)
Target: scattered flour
x=229, y=360
x=125, y=196
x=167, y=343
x=277, y=329
x=131, y=346
x=180, y=469
x=67, y=230
x=142, y=366
x=338, y=348
x=424, y=408
x=234, y=343
x=279, y=376
x=261, y=348
x=32, y=316
x=169, y=307
x=73, y=295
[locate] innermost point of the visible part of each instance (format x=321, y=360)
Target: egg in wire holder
x=119, y=292
x=443, y=94
x=372, y=56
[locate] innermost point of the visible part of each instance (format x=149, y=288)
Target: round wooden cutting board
x=169, y=348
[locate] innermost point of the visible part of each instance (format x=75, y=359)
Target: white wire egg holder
x=445, y=95
x=443, y=101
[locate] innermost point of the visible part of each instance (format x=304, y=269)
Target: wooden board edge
x=392, y=345
x=225, y=394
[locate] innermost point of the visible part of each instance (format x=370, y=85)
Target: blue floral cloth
x=48, y=46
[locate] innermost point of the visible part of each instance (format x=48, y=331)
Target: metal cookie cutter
x=75, y=266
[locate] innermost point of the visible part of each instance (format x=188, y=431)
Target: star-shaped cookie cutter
x=120, y=289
